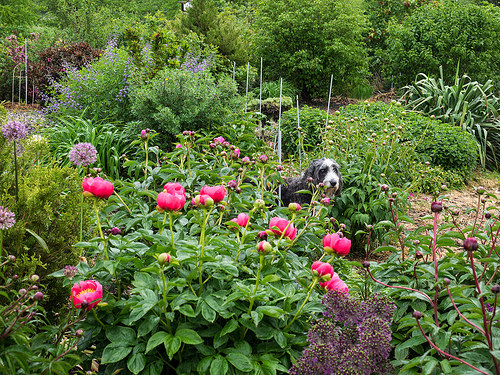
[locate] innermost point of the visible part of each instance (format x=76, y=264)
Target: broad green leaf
x=123, y=335
x=219, y=366
x=188, y=336
x=156, y=340
x=147, y=325
x=230, y=326
x=240, y=361
x=172, y=345
x=136, y=363
x=115, y=352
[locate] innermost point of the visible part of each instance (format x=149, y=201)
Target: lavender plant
x=353, y=338
x=447, y=310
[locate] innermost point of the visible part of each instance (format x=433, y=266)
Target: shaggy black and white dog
x=324, y=171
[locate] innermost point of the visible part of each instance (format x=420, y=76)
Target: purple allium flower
x=83, y=154
x=354, y=338
x=7, y=218
x=70, y=271
x=14, y=131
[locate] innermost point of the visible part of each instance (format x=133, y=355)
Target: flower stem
x=15, y=170
x=202, y=244
x=163, y=223
x=100, y=230
x=171, y=230
x=147, y=160
x=121, y=200
x=81, y=219
x=257, y=282
x=311, y=288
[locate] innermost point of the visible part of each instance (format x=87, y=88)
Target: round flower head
x=217, y=193
x=7, y=218
x=174, y=188
x=97, y=187
x=219, y=140
x=279, y=225
x=170, y=202
x=83, y=154
x=14, y=131
x=86, y=294
x=241, y=220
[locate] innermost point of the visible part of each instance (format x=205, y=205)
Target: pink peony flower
x=241, y=220
x=235, y=154
x=333, y=243
x=322, y=269
x=178, y=145
x=217, y=193
x=278, y=225
x=170, y=202
x=220, y=140
x=335, y=283
x=97, y=187
x=86, y=294
x=174, y=188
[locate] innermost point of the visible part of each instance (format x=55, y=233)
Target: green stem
x=244, y=234
x=15, y=171
x=147, y=160
x=311, y=288
x=1, y=242
x=171, y=231
x=164, y=293
x=189, y=158
x=121, y=200
x=81, y=219
x=257, y=282
x=100, y=229
x=99, y=320
x=163, y=223
x=202, y=244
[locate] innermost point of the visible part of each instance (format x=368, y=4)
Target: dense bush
x=270, y=107
x=466, y=104
x=54, y=62
x=177, y=100
x=445, y=33
x=100, y=88
x=47, y=211
x=187, y=290
x=312, y=120
x=306, y=42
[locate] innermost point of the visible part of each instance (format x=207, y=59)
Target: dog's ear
x=313, y=168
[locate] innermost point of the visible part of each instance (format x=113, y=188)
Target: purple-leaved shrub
x=353, y=338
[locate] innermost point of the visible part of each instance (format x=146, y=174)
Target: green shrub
x=445, y=145
x=312, y=120
x=100, y=88
x=306, y=42
x=48, y=221
x=467, y=104
x=177, y=100
x=445, y=33
x=271, y=89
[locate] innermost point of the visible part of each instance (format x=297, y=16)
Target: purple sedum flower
x=83, y=154
x=7, y=218
x=14, y=131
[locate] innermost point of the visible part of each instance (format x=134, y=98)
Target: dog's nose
x=333, y=183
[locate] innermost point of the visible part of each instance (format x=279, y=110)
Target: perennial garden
x=141, y=226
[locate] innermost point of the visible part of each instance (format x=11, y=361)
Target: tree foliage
x=307, y=41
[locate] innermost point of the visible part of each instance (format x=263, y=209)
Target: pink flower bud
x=294, y=207
x=241, y=220
x=164, y=258
x=38, y=296
x=264, y=247
x=470, y=244
x=217, y=193
x=232, y=184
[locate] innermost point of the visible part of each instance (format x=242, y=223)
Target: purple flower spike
x=14, y=131
x=7, y=218
x=83, y=154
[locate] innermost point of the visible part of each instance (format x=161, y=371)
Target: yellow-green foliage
x=48, y=205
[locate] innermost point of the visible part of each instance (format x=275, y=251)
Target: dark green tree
x=16, y=15
x=307, y=41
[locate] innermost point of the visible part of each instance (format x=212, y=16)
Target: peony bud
x=259, y=203
x=34, y=278
x=366, y=264
x=116, y=231
x=38, y=296
x=470, y=244
x=447, y=281
x=294, y=207
x=437, y=206
x=12, y=258
x=232, y=184
x=164, y=258
x=263, y=159
x=495, y=289
x=262, y=235
x=419, y=254
x=79, y=333
x=264, y=247
x=480, y=190
x=417, y=314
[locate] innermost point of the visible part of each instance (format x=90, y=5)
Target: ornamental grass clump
x=354, y=337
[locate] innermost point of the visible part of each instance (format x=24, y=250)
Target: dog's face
x=325, y=171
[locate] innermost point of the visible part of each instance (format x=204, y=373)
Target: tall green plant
x=108, y=138
x=469, y=104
